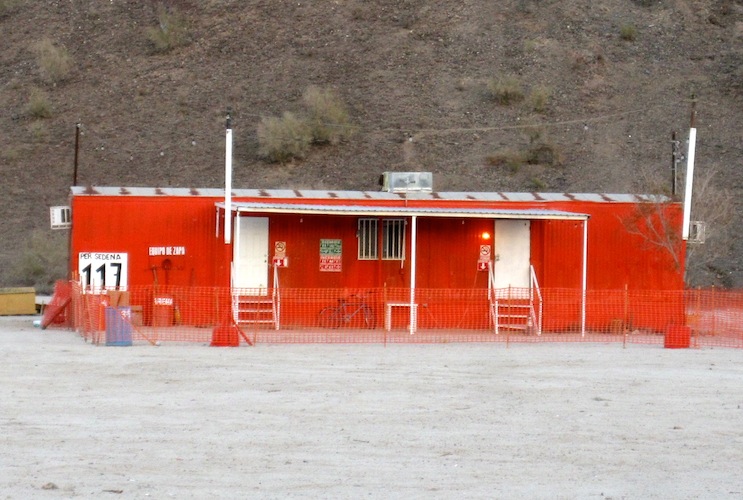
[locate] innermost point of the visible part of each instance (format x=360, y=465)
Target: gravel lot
x=351, y=421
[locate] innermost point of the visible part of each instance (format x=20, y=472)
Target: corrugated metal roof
x=296, y=194
x=379, y=211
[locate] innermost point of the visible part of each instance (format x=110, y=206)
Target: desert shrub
x=506, y=90
x=10, y=154
x=543, y=153
x=328, y=118
x=171, y=31
x=628, y=32
x=537, y=184
x=539, y=98
x=43, y=261
x=530, y=46
x=539, y=152
x=510, y=159
x=38, y=131
x=285, y=138
x=8, y=6
x=38, y=104
x=54, y=62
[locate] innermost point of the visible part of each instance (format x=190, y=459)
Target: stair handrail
x=276, y=297
x=534, y=285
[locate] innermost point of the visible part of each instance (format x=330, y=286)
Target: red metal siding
x=135, y=224
x=447, y=247
x=448, y=250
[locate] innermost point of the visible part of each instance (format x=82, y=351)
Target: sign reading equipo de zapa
x=330, y=256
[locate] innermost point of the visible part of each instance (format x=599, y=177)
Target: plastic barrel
x=118, y=326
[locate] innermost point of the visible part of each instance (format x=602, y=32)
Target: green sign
x=331, y=252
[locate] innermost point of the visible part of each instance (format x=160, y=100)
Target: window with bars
x=393, y=239
x=367, y=236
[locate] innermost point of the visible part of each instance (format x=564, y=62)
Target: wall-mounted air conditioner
x=406, y=182
x=61, y=217
x=697, y=231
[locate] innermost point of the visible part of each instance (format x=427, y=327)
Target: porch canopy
x=360, y=210
x=400, y=211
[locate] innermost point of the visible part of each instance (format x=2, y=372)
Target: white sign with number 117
x=103, y=269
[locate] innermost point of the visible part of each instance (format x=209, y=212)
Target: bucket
x=163, y=313
x=677, y=337
x=118, y=326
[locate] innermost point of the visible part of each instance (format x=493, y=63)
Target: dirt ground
x=351, y=421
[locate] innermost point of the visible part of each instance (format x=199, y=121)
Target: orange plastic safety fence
x=223, y=316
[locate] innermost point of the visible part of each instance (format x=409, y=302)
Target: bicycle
x=344, y=312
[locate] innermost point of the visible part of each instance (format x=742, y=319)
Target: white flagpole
x=689, y=174
x=228, y=182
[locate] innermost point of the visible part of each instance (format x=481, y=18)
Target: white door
x=250, y=255
x=512, y=253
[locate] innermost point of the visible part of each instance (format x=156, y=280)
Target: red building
x=519, y=249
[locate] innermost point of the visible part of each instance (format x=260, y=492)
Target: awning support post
x=413, y=251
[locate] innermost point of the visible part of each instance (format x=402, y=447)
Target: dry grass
x=506, y=90
x=328, y=116
x=171, y=31
x=54, y=62
x=283, y=139
x=38, y=104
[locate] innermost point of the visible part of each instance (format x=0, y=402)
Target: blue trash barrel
x=118, y=326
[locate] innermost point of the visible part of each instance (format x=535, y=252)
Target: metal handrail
x=535, y=313
x=535, y=286
x=276, y=298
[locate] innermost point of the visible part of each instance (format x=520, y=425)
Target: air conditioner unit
x=697, y=231
x=61, y=217
x=407, y=182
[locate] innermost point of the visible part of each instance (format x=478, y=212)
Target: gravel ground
x=350, y=421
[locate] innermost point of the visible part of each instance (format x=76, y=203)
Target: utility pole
x=77, y=149
x=674, y=163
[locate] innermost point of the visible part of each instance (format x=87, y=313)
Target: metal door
x=250, y=255
x=512, y=253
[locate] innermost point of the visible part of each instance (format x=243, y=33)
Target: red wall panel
x=447, y=247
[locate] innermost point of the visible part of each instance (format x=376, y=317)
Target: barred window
x=393, y=239
x=367, y=236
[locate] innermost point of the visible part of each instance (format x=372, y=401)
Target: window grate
x=393, y=239
x=367, y=236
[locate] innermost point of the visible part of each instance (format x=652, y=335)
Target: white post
x=689, y=182
x=228, y=182
x=413, y=251
x=583, y=280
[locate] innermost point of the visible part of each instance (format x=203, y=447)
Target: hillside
x=616, y=80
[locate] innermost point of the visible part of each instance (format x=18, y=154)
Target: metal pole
x=413, y=251
x=689, y=171
x=674, y=160
x=228, y=181
x=77, y=149
x=583, y=280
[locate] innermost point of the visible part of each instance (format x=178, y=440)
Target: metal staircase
x=515, y=309
x=256, y=306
